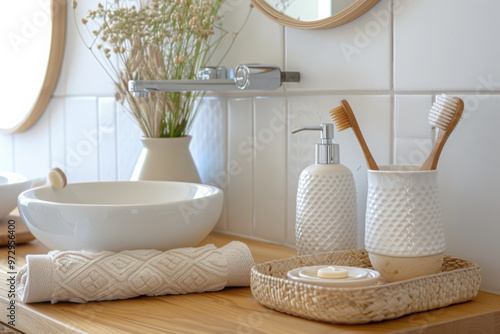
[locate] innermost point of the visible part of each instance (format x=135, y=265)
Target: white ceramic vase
x=404, y=229
x=166, y=159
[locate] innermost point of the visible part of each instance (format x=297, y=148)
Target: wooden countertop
x=232, y=310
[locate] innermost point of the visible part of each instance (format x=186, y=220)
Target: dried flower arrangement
x=156, y=40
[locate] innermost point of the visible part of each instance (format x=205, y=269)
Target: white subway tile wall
x=469, y=184
x=81, y=74
x=6, y=152
x=128, y=143
x=389, y=64
x=31, y=151
x=412, y=133
x=355, y=57
x=260, y=39
x=55, y=110
x=105, y=135
x=445, y=45
x=208, y=146
x=239, y=191
x=81, y=140
x=270, y=167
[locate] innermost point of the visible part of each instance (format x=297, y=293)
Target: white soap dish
x=356, y=277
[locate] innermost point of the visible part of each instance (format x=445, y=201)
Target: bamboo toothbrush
x=444, y=114
x=343, y=117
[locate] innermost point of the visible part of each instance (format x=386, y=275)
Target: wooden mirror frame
x=58, y=32
x=353, y=11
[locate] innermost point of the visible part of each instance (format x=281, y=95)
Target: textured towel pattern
x=82, y=276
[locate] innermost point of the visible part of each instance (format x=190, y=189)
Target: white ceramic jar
x=404, y=228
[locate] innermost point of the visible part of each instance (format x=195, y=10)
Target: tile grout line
x=65, y=157
x=98, y=146
x=50, y=139
x=254, y=153
x=226, y=162
x=392, y=155
x=287, y=137
x=352, y=92
x=13, y=155
x=226, y=165
x=115, y=118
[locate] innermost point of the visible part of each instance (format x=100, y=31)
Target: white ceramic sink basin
x=11, y=185
x=121, y=215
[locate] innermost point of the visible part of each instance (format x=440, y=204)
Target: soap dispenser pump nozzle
x=327, y=152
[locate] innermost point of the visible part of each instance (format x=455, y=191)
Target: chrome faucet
x=265, y=77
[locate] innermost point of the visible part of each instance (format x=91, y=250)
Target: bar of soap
x=332, y=272
x=57, y=178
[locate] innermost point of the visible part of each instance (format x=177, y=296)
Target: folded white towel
x=82, y=276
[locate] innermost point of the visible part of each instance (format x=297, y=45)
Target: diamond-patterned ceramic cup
x=404, y=229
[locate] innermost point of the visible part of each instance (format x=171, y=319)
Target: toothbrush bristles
x=442, y=111
x=340, y=119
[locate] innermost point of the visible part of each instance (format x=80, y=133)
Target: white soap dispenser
x=326, y=217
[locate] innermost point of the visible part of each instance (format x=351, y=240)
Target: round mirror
x=32, y=41
x=313, y=14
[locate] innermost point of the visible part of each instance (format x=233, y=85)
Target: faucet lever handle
x=262, y=76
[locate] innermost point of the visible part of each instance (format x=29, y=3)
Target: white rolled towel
x=82, y=276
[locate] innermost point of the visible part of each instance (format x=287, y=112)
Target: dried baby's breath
x=156, y=40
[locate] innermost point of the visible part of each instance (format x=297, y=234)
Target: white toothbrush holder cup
x=404, y=233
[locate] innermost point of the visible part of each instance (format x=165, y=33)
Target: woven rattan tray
x=458, y=282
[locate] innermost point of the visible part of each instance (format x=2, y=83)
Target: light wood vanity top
x=233, y=310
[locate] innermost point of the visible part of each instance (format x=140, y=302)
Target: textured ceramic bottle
x=326, y=216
